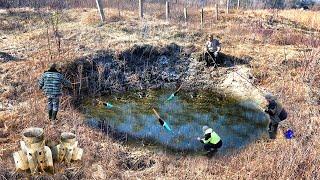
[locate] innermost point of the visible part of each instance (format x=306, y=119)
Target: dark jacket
x=51, y=81
x=212, y=46
x=276, y=111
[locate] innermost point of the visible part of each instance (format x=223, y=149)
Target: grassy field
x=283, y=44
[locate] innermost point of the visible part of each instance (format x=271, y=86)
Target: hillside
x=281, y=49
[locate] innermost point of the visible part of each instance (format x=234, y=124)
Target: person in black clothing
x=276, y=113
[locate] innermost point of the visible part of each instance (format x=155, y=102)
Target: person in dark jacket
x=211, y=140
x=51, y=82
x=276, y=113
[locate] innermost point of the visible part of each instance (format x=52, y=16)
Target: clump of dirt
x=291, y=64
x=5, y=57
x=134, y=162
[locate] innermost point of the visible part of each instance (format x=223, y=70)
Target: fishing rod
x=106, y=104
x=262, y=91
x=161, y=121
x=174, y=94
x=215, y=64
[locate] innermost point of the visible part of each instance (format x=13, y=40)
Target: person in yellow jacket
x=211, y=140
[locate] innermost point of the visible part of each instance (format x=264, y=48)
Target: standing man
x=213, y=48
x=50, y=82
x=277, y=114
x=211, y=140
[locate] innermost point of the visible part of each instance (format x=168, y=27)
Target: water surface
x=237, y=122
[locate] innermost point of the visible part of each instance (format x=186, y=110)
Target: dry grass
x=290, y=71
x=310, y=19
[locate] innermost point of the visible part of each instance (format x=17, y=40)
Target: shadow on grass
x=226, y=60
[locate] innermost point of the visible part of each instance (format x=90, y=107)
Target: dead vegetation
x=284, y=61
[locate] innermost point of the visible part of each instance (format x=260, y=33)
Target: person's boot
x=272, y=133
x=50, y=114
x=211, y=152
x=54, y=115
x=273, y=130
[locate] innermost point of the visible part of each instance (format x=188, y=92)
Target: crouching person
x=276, y=113
x=51, y=82
x=211, y=140
x=212, y=55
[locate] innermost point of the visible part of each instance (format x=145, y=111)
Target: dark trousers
x=273, y=130
x=213, y=147
x=211, y=59
x=53, y=103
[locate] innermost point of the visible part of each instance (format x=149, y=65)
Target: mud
x=143, y=67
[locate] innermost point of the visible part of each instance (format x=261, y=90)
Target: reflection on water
x=237, y=122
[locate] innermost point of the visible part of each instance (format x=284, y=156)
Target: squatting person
x=277, y=114
x=213, y=48
x=211, y=140
x=51, y=82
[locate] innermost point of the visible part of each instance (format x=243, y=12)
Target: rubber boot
x=273, y=129
x=54, y=115
x=211, y=153
x=50, y=114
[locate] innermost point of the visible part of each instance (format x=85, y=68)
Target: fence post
x=202, y=18
x=217, y=12
x=185, y=13
x=100, y=9
x=167, y=11
x=118, y=4
x=228, y=3
x=141, y=9
x=238, y=4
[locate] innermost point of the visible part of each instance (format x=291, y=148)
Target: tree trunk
x=185, y=13
x=141, y=9
x=167, y=11
x=202, y=16
x=217, y=12
x=228, y=3
x=100, y=9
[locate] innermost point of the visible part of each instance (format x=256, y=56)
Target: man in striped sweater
x=51, y=82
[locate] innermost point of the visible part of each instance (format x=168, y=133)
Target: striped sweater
x=51, y=81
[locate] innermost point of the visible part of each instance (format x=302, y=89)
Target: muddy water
x=237, y=122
